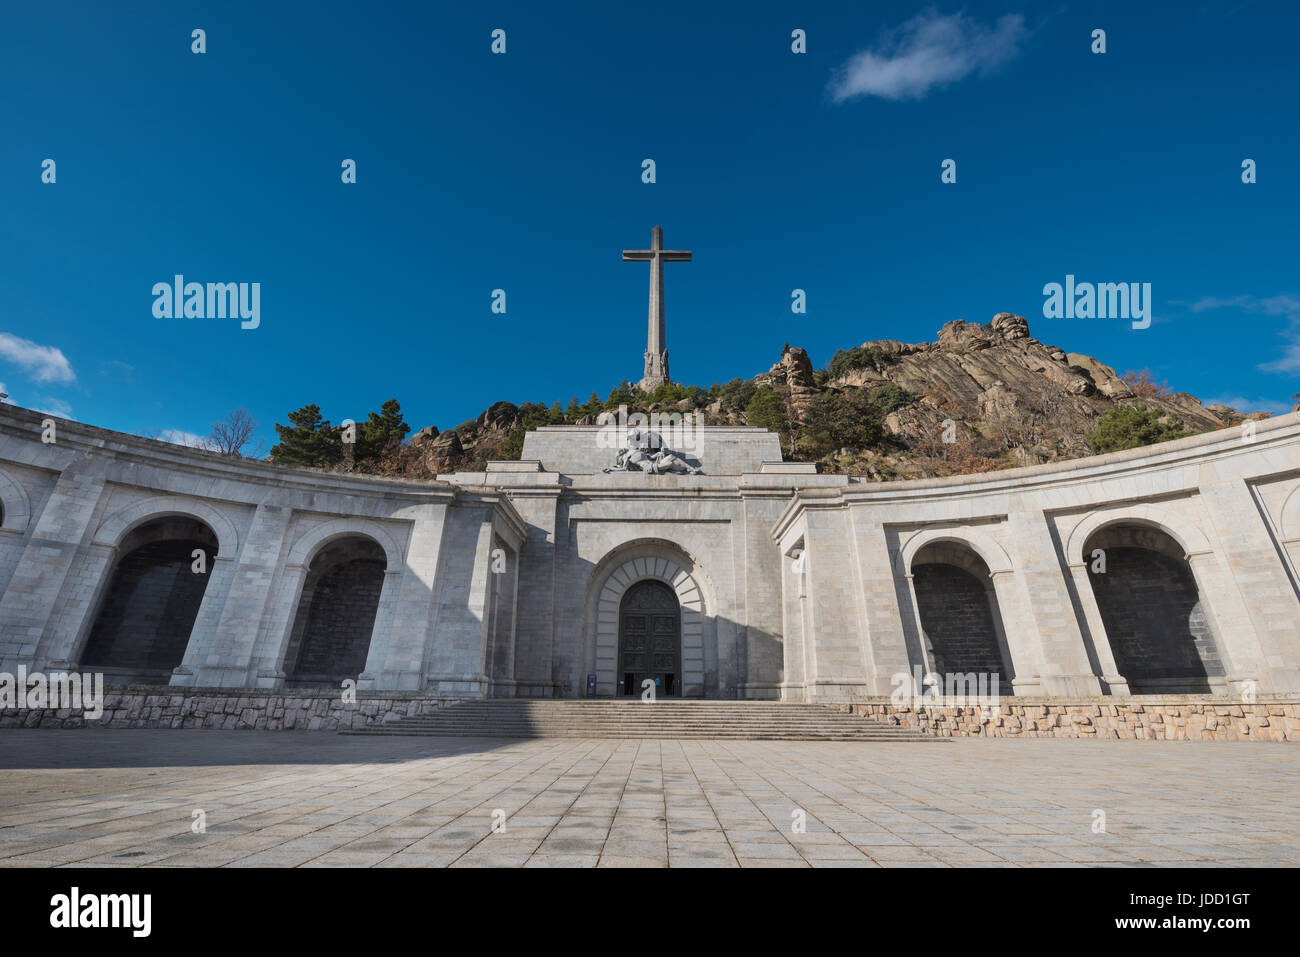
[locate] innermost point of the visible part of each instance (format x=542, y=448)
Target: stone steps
x=736, y=720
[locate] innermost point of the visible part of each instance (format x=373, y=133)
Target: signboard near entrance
x=591, y=685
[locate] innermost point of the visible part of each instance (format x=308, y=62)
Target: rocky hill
x=1010, y=399
x=981, y=397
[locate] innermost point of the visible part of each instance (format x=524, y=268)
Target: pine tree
x=623, y=394
x=766, y=410
x=381, y=432
x=307, y=440
x=1133, y=426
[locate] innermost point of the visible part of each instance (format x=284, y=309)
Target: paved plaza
x=129, y=797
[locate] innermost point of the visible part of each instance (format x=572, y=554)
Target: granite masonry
x=1151, y=592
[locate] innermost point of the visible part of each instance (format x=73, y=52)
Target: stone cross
x=656, y=353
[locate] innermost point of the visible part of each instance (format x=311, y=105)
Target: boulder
x=424, y=436
x=1010, y=326
x=891, y=347
x=794, y=372
x=1102, y=376
x=962, y=335
x=501, y=416
x=441, y=451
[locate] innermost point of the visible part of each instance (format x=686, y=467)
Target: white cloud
x=46, y=363
x=926, y=52
x=181, y=437
x=117, y=369
x=53, y=407
x=1285, y=305
x=1289, y=361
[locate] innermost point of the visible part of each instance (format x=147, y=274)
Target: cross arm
x=647, y=255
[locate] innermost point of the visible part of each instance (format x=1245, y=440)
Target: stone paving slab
x=126, y=798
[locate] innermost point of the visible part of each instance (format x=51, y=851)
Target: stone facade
x=70, y=509
x=790, y=584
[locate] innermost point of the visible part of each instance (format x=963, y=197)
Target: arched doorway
x=154, y=592
x=700, y=674
x=960, y=618
x=1155, y=619
x=649, y=639
x=336, y=614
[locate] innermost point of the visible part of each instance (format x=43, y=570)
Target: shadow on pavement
x=153, y=747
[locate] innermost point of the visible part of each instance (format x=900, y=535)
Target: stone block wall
x=224, y=709
x=335, y=635
x=1155, y=621
x=1162, y=717
x=1154, y=717
x=958, y=620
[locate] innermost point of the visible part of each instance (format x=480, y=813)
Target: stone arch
x=1186, y=533
x=1154, y=613
x=113, y=529
x=336, y=611
x=151, y=598
x=310, y=542
x=983, y=544
x=959, y=613
x=657, y=560
x=15, y=506
x=1288, y=523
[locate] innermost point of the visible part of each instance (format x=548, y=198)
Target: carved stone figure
x=645, y=451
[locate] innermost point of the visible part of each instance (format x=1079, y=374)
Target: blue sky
x=523, y=172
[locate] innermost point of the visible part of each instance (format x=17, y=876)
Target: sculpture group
x=645, y=451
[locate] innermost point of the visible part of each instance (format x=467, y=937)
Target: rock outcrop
x=441, y=451
x=795, y=373
x=424, y=436
x=997, y=380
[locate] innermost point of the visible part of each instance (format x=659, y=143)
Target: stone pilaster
x=223, y=643
x=1043, y=603
x=837, y=666
x=43, y=582
x=886, y=653
x=535, y=620
x=456, y=654
x=1253, y=580
x=397, y=653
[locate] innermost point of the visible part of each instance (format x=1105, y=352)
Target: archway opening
x=1155, y=618
x=336, y=614
x=961, y=622
x=149, y=608
x=650, y=640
